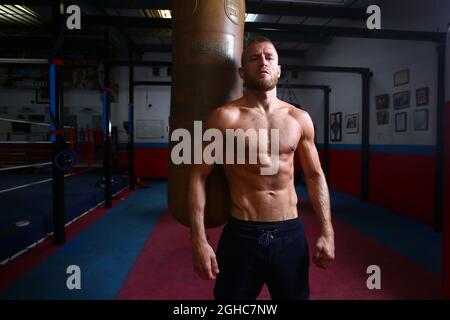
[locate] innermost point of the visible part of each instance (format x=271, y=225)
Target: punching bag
x=207, y=40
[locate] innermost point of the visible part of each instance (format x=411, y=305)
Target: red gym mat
x=164, y=268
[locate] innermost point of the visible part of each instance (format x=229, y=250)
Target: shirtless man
x=264, y=240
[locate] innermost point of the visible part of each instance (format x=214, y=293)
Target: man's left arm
x=318, y=192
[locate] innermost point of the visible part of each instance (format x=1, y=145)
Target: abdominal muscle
x=256, y=197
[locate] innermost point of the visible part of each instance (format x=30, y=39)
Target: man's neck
x=266, y=100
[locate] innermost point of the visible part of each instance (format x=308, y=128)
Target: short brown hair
x=252, y=40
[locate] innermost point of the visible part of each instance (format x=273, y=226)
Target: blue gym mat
x=34, y=204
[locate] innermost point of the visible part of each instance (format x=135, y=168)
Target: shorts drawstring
x=266, y=237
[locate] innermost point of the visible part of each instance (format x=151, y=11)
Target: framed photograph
x=41, y=95
x=382, y=102
x=336, y=126
x=422, y=96
x=382, y=118
x=401, y=77
x=400, y=122
x=401, y=100
x=421, y=120
x=352, y=123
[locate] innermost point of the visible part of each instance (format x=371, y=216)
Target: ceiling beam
x=301, y=10
x=118, y=36
x=274, y=30
x=280, y=29
x=331, y=31
x=291, y=37
x=168, y=49
x=38, y=43
x=130, y=22
x=268, y=8
x=136, y=4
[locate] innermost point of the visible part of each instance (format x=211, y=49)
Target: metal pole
x=57, y=138
x=440, y=141
x=107, y=124
x=131, y=122
x=365, y=115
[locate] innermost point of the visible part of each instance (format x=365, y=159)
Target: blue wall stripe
x=349, y=147
x=151, y=145
x=385, y=148
x=354, y=147
x=404, y=149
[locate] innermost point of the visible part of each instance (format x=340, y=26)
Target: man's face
x=261, y=70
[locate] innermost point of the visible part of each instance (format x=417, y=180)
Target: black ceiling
x=293, y=25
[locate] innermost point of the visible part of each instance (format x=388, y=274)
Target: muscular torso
x=258, y=197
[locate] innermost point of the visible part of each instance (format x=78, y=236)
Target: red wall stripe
x=151, y=162
x=401, y=182
x=404, y=183
x=345, y=171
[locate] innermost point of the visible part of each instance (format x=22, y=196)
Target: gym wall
x=402, y=164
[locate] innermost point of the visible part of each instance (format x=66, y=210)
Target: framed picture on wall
x=336, y=126
x=422, y=97
x=421, y=120
x=400, y=122
x=382, y=102
x=352, y=123
x=401, y=100
x=382, y=118
x=401, y=77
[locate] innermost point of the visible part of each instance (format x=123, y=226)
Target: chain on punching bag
x=207, y=41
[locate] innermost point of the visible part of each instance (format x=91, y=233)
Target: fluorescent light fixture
x=16, y=14
x=250, y=17
x=164, y=14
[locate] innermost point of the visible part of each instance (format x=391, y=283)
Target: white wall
x=384, y=58
x=21, y=101
x=148, y=120
x=87, y=106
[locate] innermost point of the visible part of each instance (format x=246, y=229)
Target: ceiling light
x=164, y=14
x=250, y=17
x=17, y=14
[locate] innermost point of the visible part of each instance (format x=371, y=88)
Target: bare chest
x=282, y=129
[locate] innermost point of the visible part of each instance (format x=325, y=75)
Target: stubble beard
x=261, y=84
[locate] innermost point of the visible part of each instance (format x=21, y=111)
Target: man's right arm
x=204, y=259
x=203, y=256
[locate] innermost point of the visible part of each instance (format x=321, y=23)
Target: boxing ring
x=26, y=180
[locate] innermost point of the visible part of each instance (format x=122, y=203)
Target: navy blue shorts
x=251, y=254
